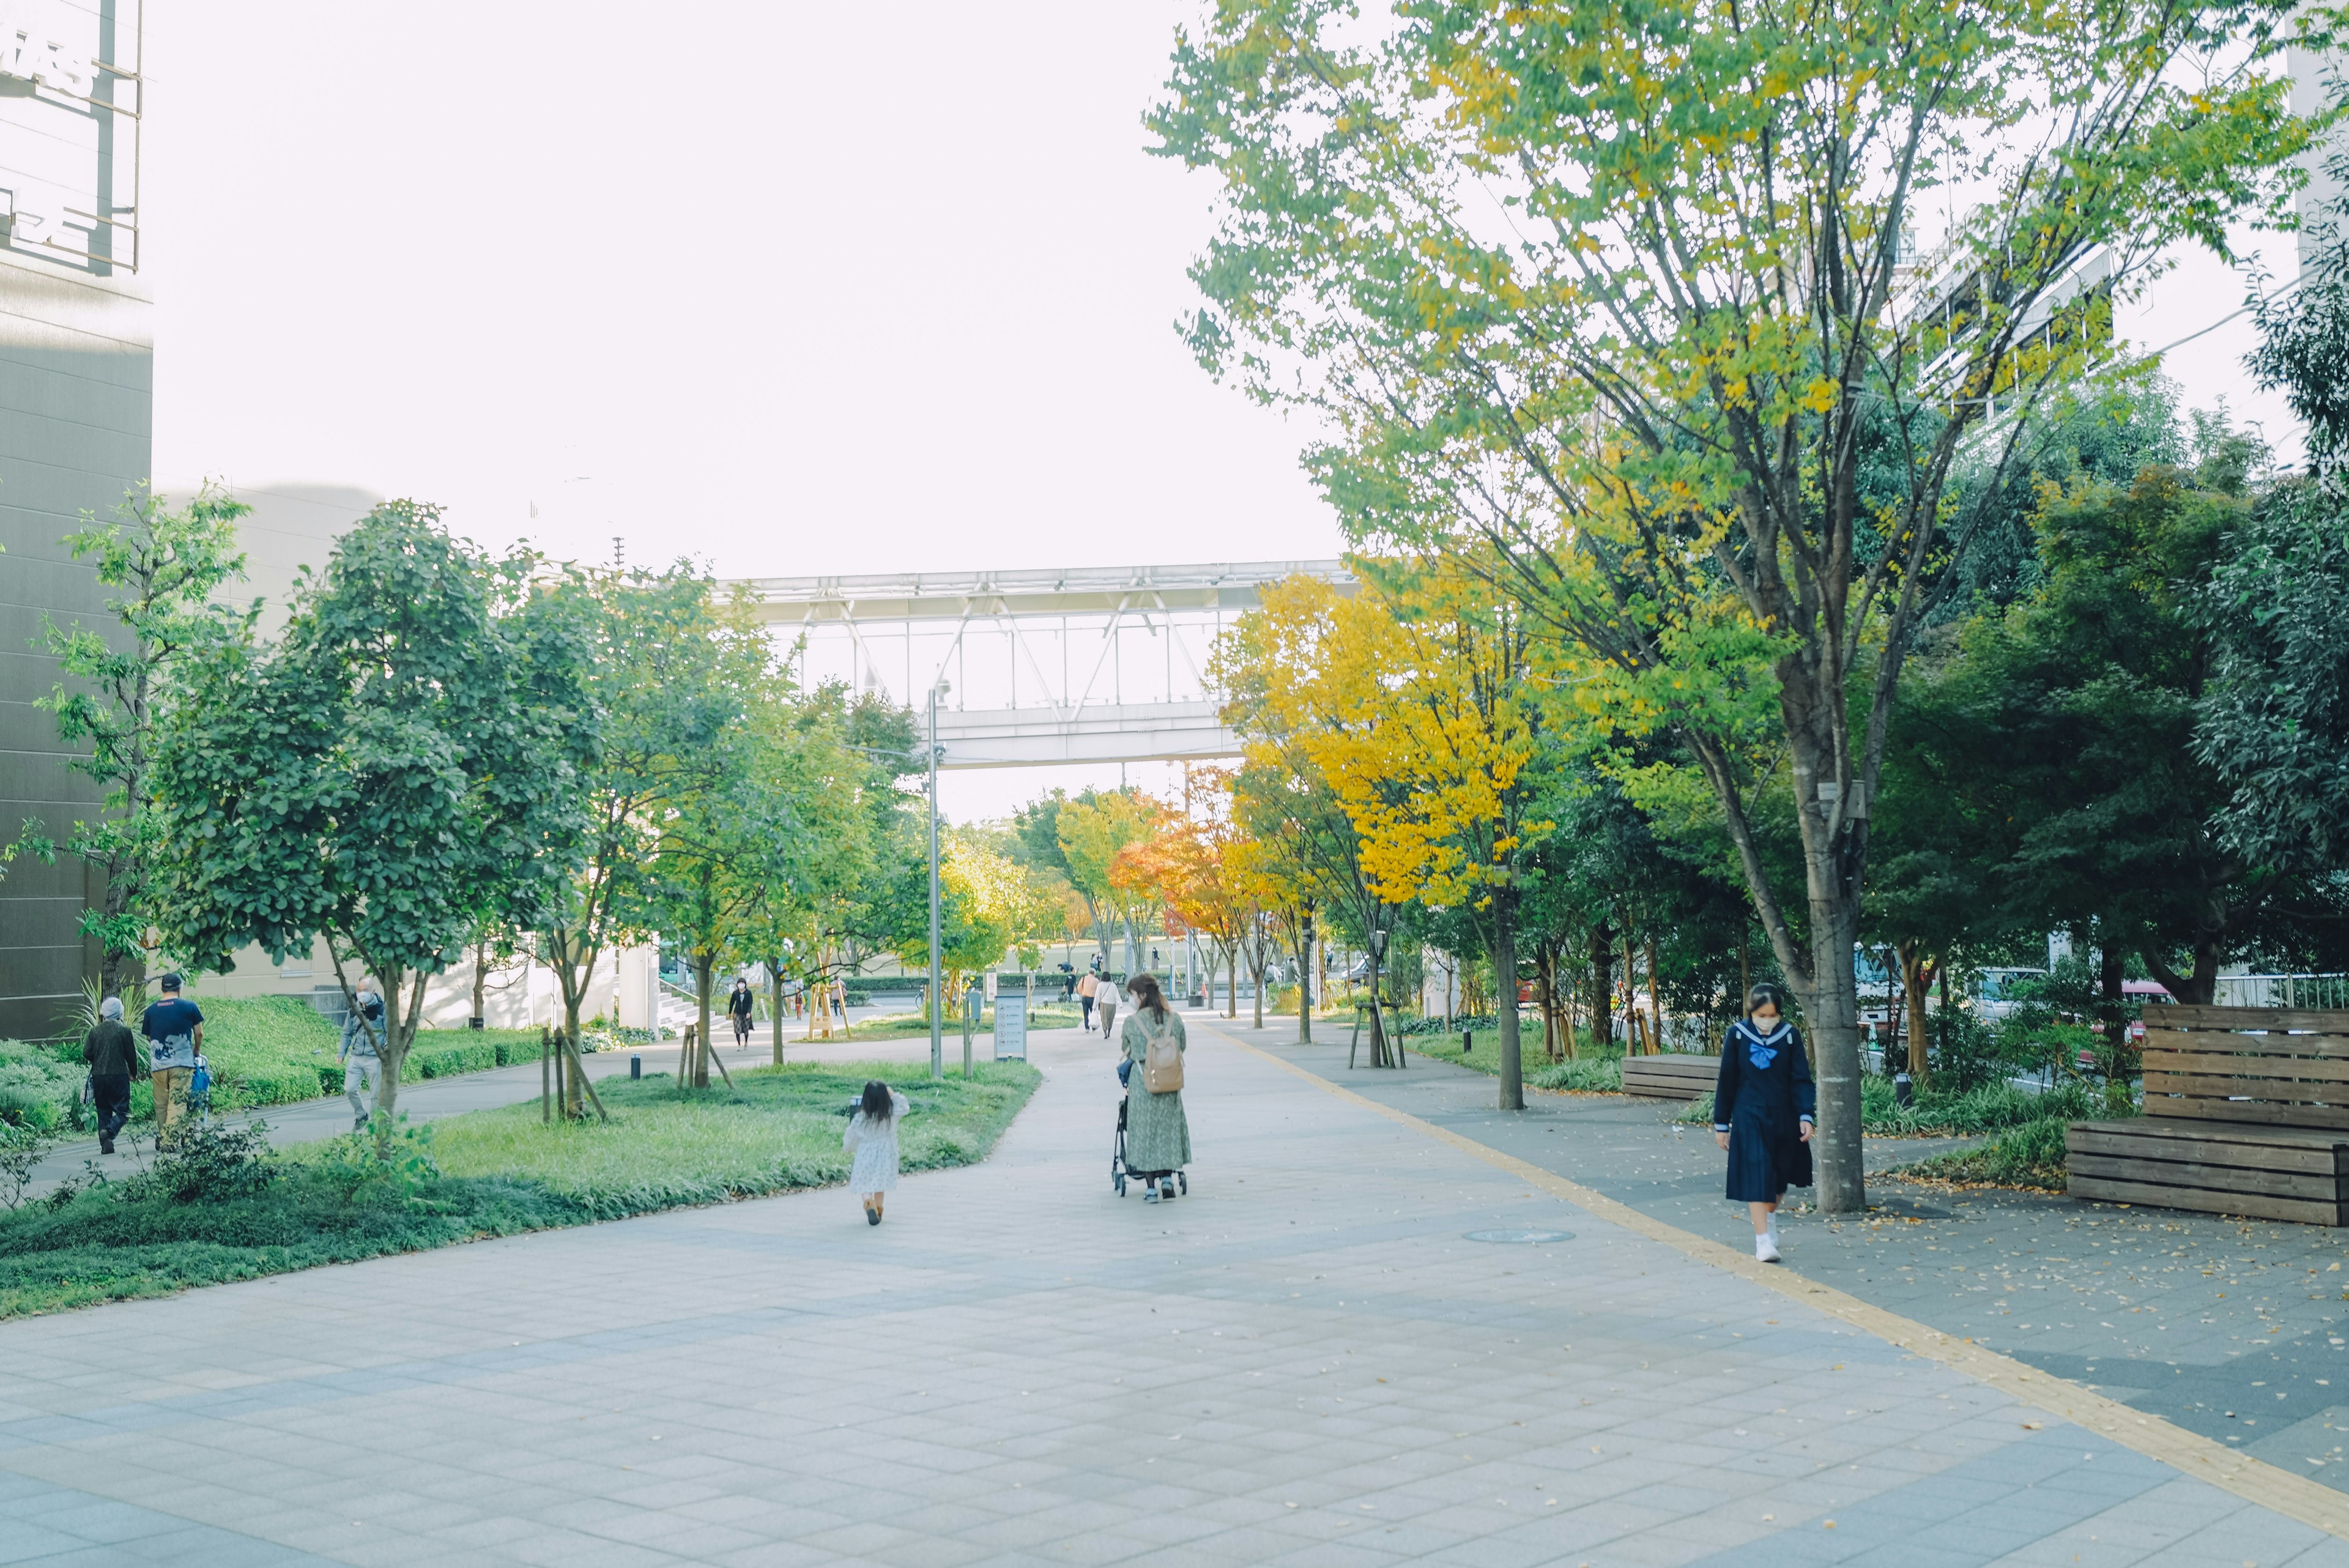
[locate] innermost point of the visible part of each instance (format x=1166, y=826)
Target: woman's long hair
x=1147, y=997
x=876, y=1104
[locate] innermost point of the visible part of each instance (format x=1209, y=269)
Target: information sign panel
x=1010, y=1025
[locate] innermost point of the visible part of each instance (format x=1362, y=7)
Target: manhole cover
x=1521, y=1235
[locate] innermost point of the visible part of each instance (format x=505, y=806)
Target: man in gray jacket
x=112, y=1053
x=362, y=1068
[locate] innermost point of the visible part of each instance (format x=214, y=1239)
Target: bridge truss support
x=1056, y=666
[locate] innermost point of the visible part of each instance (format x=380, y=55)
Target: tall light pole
x=937, y=1000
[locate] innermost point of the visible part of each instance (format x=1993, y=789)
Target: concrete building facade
x=76, y=381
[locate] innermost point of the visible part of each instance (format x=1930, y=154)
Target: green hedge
x=264, y=1050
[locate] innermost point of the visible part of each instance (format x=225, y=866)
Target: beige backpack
x=1162, y=1057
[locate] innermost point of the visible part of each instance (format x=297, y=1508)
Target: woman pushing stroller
x=1763, y=1103
x=1157, y=1134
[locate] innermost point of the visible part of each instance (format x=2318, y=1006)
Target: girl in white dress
x=873, y=1134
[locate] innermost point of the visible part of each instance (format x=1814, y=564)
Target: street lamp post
x=937, y=989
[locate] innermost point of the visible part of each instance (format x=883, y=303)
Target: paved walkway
x=2235, y=1329
x=1308, y=1361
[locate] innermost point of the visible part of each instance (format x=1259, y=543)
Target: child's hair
x=1765, y=994
x=1147, y=997
x=876, y=1104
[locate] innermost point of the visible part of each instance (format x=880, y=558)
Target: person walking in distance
x=1105, y=1004
x=175, y=1033
x=1763, y=1103
x=1157, y=1134
x=111, y=1051
x=1087, y=984
x=362, y=1065
x=873, y=1135
x=739, y=1007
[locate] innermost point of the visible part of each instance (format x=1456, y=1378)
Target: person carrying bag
x=1157, y=1134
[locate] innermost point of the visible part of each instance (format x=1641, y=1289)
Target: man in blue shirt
x=175, y=1033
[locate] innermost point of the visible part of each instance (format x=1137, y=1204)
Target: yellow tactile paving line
x=2255, y=1481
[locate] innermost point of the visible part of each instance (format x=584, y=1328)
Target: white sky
x=790, y=288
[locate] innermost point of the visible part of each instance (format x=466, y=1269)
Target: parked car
x=1993, y=997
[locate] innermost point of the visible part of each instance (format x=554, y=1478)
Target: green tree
x=166, y=565
x=653, y=647
x=2275, y=719
x=1625, y=303
x=824, y=852
x=401, y=768
x=730, y=814
x=1093, y=830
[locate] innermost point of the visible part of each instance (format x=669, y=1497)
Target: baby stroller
x=1118, y=1170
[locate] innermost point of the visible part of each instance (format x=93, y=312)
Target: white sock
x=1773, y=1226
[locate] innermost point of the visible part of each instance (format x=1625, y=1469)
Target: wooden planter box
x=2246, y=1112
x=1672, y=1077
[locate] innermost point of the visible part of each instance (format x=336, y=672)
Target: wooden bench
x=2246, y=1112
x=1672, y=1077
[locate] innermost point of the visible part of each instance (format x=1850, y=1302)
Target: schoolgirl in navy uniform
x=1762, y=1104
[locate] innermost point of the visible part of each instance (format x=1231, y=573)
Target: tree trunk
x=1655, y=1000
x=1916, y=980
x=1833, y=1015
x=1546, y=984
x=1256, y=969
x=481, y=983
x=775, y=1006
x=1602, y=987
x=2188, y=988
x=1947, y=1018
x=705, y=965
x=574, y=971
x=2109, y=1011
x=1232, y=982
x=1505, y=971
x=1304, y=954
x=1744, y=967
x=1634, y=1029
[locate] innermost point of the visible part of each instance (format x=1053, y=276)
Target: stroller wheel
x=1182, y=1181
x=1118, y=1182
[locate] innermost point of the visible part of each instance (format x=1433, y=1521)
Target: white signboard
x=69, y=131
x=1010, y=1026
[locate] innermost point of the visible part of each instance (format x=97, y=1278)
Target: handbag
x=1162, y=1062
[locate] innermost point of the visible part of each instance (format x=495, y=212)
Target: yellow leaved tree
x=1416, y=704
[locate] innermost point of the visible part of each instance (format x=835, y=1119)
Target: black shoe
x=105, y=1146
x=1166, y=1191
x=873, y=1216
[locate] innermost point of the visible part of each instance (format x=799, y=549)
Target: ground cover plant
x=2030, y=1155
x=223, y=1207
x=1601, y=1073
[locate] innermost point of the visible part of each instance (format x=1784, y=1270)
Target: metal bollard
x=1903, y=1091
x=635, y=1066
x=1467, y=1041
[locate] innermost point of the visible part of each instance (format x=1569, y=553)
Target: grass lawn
x=1583, y=1074
x=264, y=1050
x=900, y=1025
x=214, y=1211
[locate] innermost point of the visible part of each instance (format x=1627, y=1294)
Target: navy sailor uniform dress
x=1762, y=1095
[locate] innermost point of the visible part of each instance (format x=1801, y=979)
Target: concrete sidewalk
x=2234, y=1329
x=1323, y=1355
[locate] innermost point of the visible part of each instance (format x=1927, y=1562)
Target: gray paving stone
x=1021, y=1368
